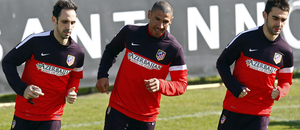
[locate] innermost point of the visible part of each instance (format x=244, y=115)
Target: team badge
x=277, y=58
x=160, y=55
x=13, y=124
x=223, y=119
x=70, y=60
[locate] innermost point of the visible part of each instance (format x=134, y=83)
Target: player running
x=151, y=53
x=53, y=69
x=260, y=55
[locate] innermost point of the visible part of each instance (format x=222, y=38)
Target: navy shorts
x=236, y=121
x=115, y=120
x=22, y=124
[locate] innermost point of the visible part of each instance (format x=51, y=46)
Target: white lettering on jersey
x=52, y=69
x=260, y=66
x=143, y=62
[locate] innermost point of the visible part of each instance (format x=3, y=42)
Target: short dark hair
x=281, y=4
x=164, y=6
x=63, y=4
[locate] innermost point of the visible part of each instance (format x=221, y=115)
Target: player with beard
x=261, y=55
x=52, y=72
x=151, y=53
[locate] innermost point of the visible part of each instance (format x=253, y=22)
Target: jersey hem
x=37, y=117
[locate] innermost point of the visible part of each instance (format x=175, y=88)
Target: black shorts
x=236, y=121
x=22, y=124
x=115, y=120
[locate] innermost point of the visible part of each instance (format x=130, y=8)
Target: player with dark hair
x=52, y=72
x=151, y=53
x=260, y=55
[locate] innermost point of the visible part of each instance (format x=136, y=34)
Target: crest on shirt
x=223, y=119
x=160, y=55
x=277, y=58
x=70, y=60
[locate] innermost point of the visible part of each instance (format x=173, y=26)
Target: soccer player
x=151, y=53
x=260, y=55
x=52, y=72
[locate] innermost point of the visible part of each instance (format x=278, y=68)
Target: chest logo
x=277, y=58
x=45, y=54
x=70, y=60
x=143, y=62
x=160, y=55
x=134, y=44
x=251, y=50
x=261, y=66
x=49, y=69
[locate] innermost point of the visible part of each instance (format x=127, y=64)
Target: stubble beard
x=61, y=33
x=271, y=29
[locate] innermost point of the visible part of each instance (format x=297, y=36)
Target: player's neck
x=65, y=42
x=153, y=35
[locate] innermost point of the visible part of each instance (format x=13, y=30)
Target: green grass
x=195, y=110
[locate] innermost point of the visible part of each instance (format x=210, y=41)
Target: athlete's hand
x=275, y=93
x=72, y=96
x=152, y=85
x=32, y=91
x=102, y=85
x=244, y=92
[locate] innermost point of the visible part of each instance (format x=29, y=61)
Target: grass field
x=197, y=109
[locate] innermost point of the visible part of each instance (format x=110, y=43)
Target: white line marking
x=213, y=85
x=279, y=119
x=7, y=104
x=284, y=107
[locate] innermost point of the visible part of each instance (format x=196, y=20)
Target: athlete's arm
x=110, y=53
x=178, y=74
x=285, y=76
x=178, y=83
x=74, y=79
x=75, y=75
x=228, y=56
x=14, y=58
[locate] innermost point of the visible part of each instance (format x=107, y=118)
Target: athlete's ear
x=54, y=20
x=149, y=14
x=265, y=15
x=171, y=20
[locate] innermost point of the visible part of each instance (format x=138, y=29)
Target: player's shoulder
x=250, y=32
x=131, y=28
x=135, y=27
x=284, y=45
x=34, y=38
x=37, y=35
x=77, y=46
x=41, y=34
x=169, y=37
